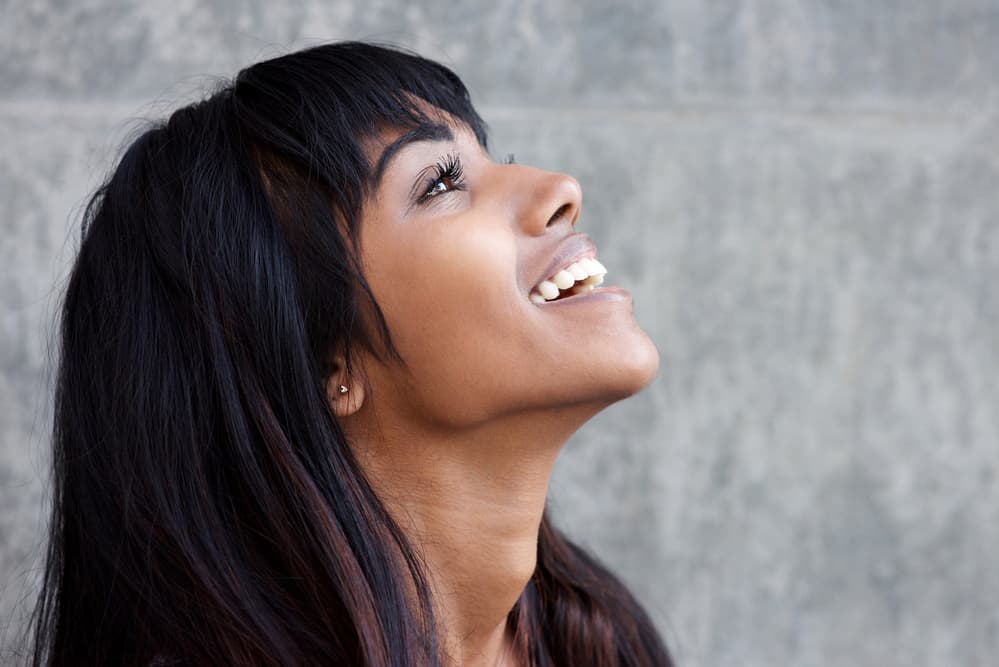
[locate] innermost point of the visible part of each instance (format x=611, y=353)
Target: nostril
x=562, y=211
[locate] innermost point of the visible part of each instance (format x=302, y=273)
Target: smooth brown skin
x=461, y=446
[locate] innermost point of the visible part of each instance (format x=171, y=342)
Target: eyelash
x=449, y=169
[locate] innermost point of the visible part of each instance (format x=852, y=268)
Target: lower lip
x=596, y=294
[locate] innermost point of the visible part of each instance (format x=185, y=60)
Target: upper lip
x=569, y=250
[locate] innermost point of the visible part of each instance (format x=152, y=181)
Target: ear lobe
x=346, y=393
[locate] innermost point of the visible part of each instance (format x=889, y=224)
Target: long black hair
x=206, y=507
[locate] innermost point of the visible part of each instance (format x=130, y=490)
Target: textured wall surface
x=802, y=196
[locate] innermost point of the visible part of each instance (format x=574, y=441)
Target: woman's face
x=453, y=246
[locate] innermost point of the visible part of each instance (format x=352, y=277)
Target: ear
x=346, y=392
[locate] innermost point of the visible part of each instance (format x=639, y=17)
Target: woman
x=319, y=353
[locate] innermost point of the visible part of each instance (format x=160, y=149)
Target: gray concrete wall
x=801, y=195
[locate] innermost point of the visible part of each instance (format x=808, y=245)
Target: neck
x=471, y=502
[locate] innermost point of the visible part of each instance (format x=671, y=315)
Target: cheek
x=449, y=275
x=450, y=297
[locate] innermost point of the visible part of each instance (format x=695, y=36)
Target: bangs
x=322, y=104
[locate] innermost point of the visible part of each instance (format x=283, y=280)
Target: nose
x=555, y=198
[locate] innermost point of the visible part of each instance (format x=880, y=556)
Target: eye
x=447, y=176
x=440, y=185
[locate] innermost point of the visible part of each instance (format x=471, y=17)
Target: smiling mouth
x=580, y=276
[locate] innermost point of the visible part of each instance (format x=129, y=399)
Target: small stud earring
x=343, y=389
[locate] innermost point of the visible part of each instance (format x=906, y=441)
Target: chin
x=638, y=365
x=630, y=366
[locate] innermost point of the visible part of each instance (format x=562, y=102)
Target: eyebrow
x=425, y=132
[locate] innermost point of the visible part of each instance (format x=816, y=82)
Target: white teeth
x=563, y=279
x=549, y=290
x=580, y=276
x=578, y=271
x=597, y=266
